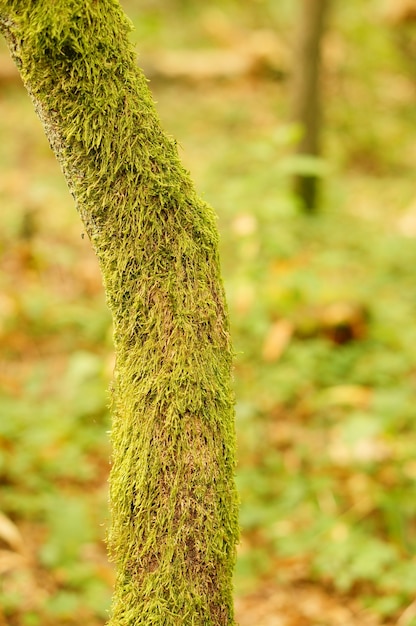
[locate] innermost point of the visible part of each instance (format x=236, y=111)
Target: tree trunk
x=172, y=493
x=305, y=91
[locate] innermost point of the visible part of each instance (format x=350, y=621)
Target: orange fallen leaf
x=10, y=534
x=11, y=561
x=277, y=340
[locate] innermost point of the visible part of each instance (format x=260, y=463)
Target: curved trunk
x=172, y=494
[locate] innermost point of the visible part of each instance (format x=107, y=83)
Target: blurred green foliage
x=322, y=313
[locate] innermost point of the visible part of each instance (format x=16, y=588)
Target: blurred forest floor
x=322, y=310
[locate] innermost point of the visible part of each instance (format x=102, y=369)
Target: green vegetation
x=322, y=319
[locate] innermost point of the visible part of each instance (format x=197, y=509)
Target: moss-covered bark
x=172, y=495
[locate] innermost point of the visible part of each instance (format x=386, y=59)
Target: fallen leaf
x=277, y=340
x=10, y=534
x=356, y=396
x=10, y=561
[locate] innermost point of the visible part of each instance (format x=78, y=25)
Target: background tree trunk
x=306, y=92
x=173, y=499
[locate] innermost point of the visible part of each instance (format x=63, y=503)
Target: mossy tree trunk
x=306, y=91
x=172, y=494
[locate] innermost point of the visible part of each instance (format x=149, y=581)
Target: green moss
x=172, y=494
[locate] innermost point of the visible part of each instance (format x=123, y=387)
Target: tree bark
x=172, y=494
x=306, y=92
